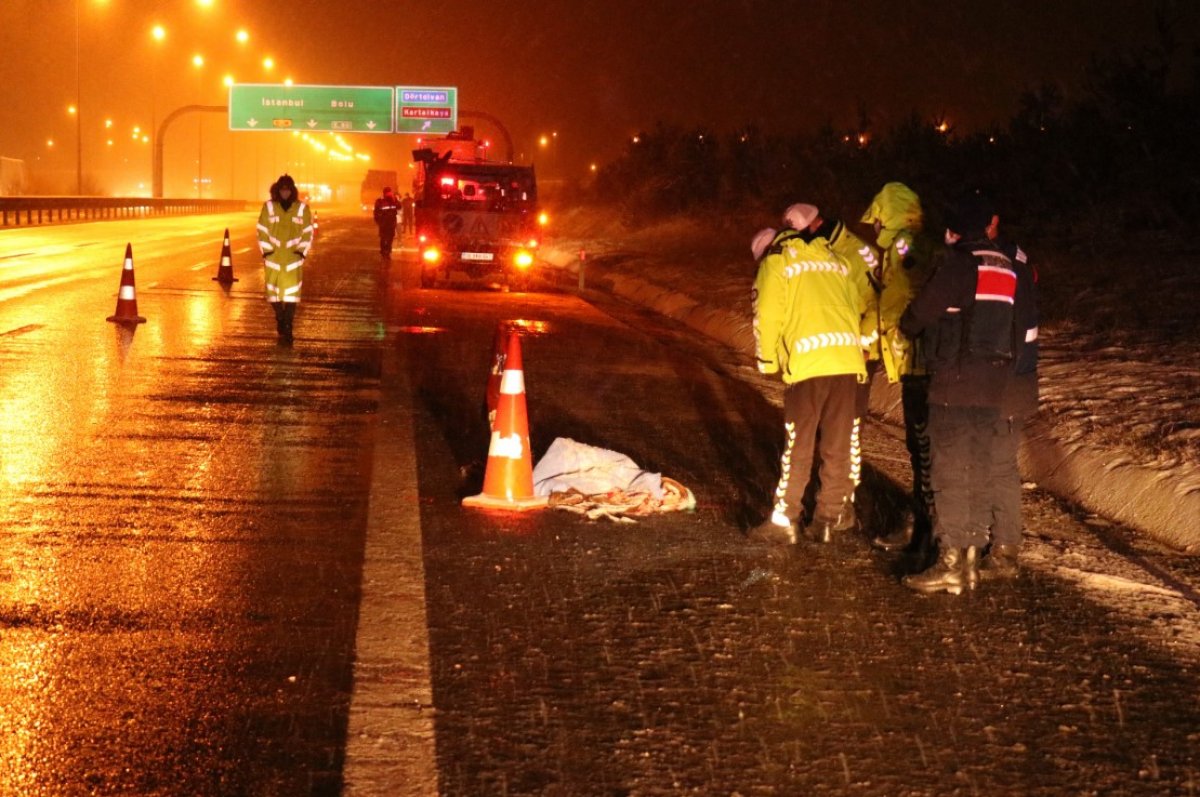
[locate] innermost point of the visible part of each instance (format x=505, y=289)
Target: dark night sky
x=595, y=71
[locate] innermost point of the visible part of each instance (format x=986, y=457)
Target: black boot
x=772, y=533
x=900, y=538
x=277, y=308
x=825, y=529
x=1000, y=563
x=950, y=573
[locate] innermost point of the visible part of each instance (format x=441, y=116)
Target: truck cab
x=474, y=215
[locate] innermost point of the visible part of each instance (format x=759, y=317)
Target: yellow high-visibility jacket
x=865, y=259
x=905, y=265
x=284, y=237
x=807, y=311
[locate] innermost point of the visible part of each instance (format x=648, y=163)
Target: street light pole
x=78, y=114
x=198, y=62
x=158, y=33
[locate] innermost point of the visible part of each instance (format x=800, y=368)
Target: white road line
x=390, y=739
x=199, y=266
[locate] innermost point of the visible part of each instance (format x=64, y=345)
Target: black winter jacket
x=966, y=311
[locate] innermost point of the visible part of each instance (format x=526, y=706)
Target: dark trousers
x=914, y=399
x=387, y=234
x=1005, y=482
x=962, y=440
x=817, y=412
x=285, y=313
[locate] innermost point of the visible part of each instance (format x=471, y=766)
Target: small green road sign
x=347, y=109
x=426, y=110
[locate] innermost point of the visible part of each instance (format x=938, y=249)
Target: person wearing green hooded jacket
x=905, y=266
x=285, y=233
x=807, y=314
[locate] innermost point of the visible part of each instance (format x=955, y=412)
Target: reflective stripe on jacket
x=284, y=237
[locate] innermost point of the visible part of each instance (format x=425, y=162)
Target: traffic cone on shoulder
x=499, y=355
x=225, y=270
x=127, y=294
x=508, y=481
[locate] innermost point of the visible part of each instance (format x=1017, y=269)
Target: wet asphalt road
x=184, y=523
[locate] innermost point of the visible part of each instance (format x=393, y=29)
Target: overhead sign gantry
x=343, y=109
x=418, y=110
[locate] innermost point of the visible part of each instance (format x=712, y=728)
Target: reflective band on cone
x=508, y=482
x=126, y=312
x=225, y=269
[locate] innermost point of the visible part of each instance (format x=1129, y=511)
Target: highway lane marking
x=390, y=738
x=12, y=333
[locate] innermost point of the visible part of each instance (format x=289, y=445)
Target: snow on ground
x=1118, y=430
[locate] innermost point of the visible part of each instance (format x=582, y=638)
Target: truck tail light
x=523, y=259
x=431, y=255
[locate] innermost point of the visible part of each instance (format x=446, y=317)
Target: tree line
x=1118, y=158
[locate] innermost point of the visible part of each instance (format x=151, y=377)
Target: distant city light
x=242, y=36
x=158, y=32
x=268, y=63
x=71, y=109
x=197, y=60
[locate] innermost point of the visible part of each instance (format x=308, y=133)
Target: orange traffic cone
x=508, y=481
x=127, y=295
x=225, y=270
x=499, y=354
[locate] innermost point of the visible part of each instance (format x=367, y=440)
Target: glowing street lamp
x=242, y=36
x=198, y=63
x=268, y=63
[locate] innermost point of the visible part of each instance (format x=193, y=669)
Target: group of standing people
x=955, y=325
x=391, y=210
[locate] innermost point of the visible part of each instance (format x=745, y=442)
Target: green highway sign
x=345, y=109
x=426, y=110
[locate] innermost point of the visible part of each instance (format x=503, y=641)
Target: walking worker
x=905, y=264
x=387, y=207
x=285, y=231
x=969, y=308
x=408, y=221
x=807, y=312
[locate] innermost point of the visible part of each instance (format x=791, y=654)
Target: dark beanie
x=970, y=214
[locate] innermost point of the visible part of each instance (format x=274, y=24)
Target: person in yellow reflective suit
x=285, y=232
x=864, y=261
x=807, y=311
x=904, y=267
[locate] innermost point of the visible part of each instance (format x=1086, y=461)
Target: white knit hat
x=799, y=216
x=761, y=240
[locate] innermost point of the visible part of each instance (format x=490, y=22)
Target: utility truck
x=474, y=215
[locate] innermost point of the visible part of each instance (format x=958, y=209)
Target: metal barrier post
x=582, y=267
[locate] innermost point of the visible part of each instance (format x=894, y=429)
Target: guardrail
x=64, y=209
